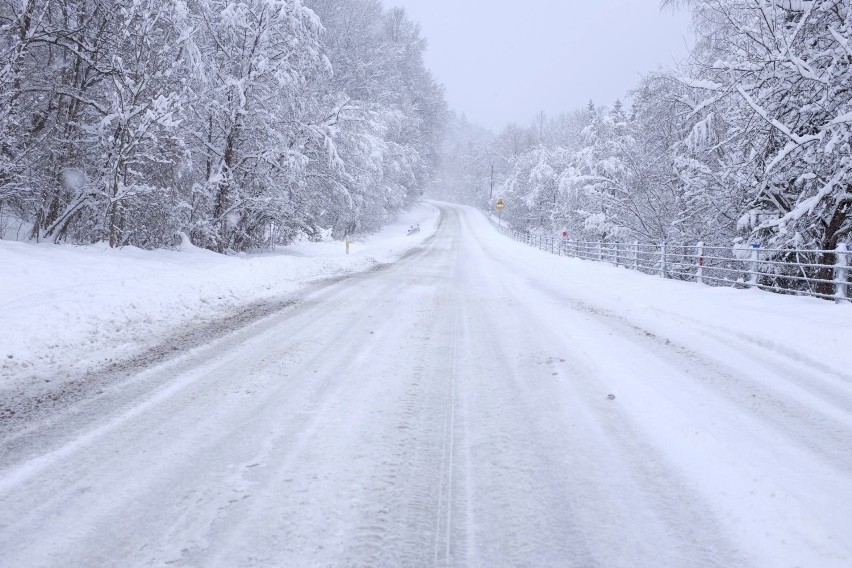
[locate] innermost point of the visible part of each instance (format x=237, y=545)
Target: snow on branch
x=794, y=5
x=781, y=128
x=808, y=205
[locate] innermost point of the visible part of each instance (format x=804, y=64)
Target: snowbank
x=66, y=309
x=807, y=330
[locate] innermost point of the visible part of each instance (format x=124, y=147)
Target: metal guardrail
x=819, y=273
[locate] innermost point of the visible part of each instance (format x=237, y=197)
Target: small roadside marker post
x=347, y=246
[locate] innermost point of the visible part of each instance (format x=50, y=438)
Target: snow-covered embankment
x=68, y=309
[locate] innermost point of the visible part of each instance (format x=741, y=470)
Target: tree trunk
x=224, y=191
x=835, y=232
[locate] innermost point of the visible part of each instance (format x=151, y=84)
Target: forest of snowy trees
x=244, y=124
x=750, y=140
x=241, y=124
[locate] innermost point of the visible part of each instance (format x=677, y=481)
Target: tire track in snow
x=57, y=397
x=570, y=458
x=612, y=496
x=761, y=485
x=832, y=385
x=390, y=522
x=160, y=472
x=811, y=427
x=443, y=541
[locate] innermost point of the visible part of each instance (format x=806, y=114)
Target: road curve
x=448, y=410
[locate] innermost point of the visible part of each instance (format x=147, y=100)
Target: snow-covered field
x=476, y=403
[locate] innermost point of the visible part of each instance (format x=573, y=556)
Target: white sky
x=504, y=61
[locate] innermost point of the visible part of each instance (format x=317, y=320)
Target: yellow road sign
x=500, y=205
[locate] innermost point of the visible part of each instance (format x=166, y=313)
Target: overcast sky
x=504, y=61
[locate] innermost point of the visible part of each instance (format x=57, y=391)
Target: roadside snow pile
x=810, y=332
x=66, y=309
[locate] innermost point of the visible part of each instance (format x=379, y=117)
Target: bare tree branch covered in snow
x=242, y=124
x=751, y=139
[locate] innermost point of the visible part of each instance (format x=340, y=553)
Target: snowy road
x=449, y=410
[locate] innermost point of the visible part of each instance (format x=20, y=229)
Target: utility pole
x=491, y=191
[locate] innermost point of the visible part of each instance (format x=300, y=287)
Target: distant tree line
x=750, y=139
x=241, y=123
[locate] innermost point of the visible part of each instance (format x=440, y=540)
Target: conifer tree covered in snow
x=241, y=123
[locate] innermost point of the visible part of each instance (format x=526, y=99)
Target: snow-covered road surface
x=452, y=409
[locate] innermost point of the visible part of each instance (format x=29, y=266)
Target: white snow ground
x=449, y=410
x=69, y=310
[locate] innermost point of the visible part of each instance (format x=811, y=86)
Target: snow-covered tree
x=769, y=82
x=257, y=125
x=92, y=110
x=389, y=115
x=243, y=123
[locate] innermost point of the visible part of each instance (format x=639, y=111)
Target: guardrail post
x=600, y=250
x=699, y=262
x=663, y=259
x=841, y=273
x=635, y=255
x=617, y=246
x=752, y=265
